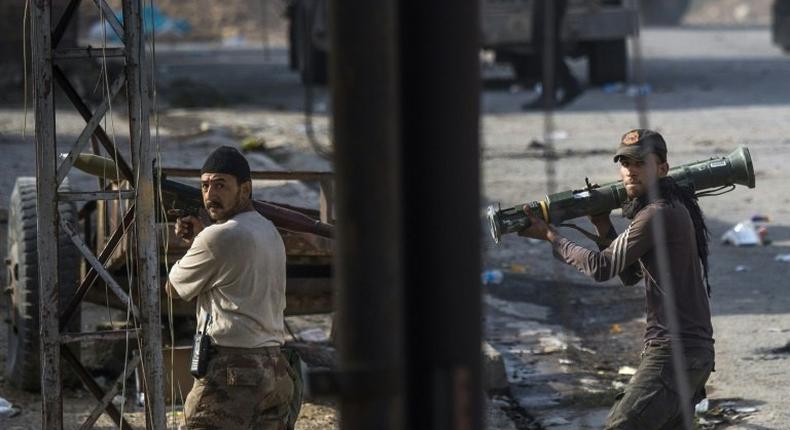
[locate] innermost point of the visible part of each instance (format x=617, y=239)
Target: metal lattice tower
x=139, y=220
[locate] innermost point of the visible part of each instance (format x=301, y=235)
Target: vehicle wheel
x=608, y=61
x=663, y=13
x=527, y=69
x=22, y=290
x=780, y=25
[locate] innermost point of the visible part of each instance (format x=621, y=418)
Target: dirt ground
x=565, y=340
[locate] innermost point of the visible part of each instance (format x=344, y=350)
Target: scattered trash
x=313, y=335
x=559, y=135
x=565, y=361
x=7, y=410
x=785, y=258
x=615, y=329
x=536, y=144
x=627, y=371
x=742, y=234
x=551, y=344
x=746, y=410
x=613, y=87
x=741, y=268
x=518, y=268
x=617, y=385
x=638, y=90
x=118, y=400
x=253, y=143
x=702, y=406
x=492, y=277
x=154, y=18
x=555, y=421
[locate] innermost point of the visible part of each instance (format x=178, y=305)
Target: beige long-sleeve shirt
x=237, y=272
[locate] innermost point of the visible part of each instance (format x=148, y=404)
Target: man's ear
x=246, y=189
x=663, y=169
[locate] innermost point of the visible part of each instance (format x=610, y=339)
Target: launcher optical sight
x=705, y=177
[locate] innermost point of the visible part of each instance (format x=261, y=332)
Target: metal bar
x=366, y=109
x=98, y=267
x=98, y=335
x=90, y=277
x=89, y=129
x=64, y=21
x=179, y=172
x=92, y=386
x=47, y=208
x=440, y=115
x=86, y=114
x=102, y=406
x=109, y=15
x=88, y=53
x=146, y=233
x=95, y=195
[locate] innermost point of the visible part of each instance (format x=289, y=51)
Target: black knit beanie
x=228, y=160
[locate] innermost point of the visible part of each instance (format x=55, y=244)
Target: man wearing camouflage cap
x=661, y=395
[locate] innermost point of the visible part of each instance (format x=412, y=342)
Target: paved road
x=713, y=89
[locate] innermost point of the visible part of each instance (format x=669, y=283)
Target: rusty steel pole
x=149, y=284
x=440, y=90
x=363, y=74
x=47, y=212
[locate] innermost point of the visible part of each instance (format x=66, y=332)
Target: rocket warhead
x=97, y=165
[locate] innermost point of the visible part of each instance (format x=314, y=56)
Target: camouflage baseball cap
x=640, y=142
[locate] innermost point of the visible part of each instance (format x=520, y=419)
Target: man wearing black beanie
x=235, y=268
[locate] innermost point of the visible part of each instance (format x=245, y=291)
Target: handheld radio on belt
x=198, y=364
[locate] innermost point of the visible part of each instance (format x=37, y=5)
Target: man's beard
x=229, y=213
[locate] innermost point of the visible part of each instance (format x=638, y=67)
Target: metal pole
x=369, y=272
x=440, y=74
x=47, y=208
x=145, y=221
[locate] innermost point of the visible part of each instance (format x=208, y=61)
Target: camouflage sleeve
x=621, y=254
x=633, y=273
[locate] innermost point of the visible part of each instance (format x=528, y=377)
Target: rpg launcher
x=181, y=200
x=705, y=177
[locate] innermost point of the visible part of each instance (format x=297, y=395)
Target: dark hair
x=671, y=191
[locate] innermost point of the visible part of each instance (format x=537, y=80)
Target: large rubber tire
x=664, y=12
x=22, y=291
x=607, y=61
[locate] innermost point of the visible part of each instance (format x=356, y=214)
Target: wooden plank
x=47, y=208
x=91, y=276
x=86, y=114
x=64, y=21
x=105, y=335
x=138, y=94
x=99, y=268
x=109, y=15
x=95, y=195
x=102, y=406
x=92, y=386
x=327, y=202
x=89, y=129
x=179, y=172
x=88, y=53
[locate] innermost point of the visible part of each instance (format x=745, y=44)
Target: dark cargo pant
x=652, y=400
x=242, y=389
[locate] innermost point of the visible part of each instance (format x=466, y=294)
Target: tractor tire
x=20, y=300
x=607, y=61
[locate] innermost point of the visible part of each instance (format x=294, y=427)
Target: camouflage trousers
x=651, y=400
x=242, y=389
